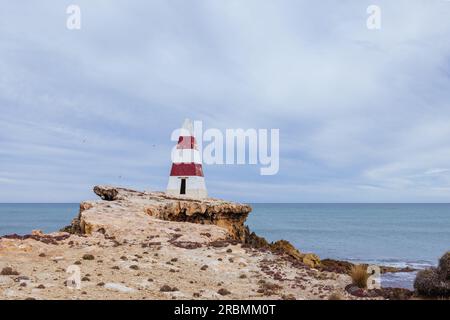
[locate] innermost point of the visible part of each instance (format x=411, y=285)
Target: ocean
x=398, y=235
x=22, y=218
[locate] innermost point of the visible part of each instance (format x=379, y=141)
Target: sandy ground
x=143, y=267
x=125, y=252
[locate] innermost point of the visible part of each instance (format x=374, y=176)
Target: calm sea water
x=389, y=234
x=23, y=218
x=400, y=235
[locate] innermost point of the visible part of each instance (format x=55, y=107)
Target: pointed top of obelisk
x=188, y=128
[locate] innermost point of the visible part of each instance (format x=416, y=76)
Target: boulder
x=106, y=193
x=435, y=282
x=283, y=246
x=428, y=282
x=228, y=215
x=311, y=260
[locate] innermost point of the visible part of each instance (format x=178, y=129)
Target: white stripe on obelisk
x=186, y=156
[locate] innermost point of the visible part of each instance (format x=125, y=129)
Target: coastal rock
x=164, y=238
x=106, y=193
x=396, y=293
x=225, y=214
x=311, y=260
x=283, y=246
x=252, y=240
x=345, y=267
x=53, y=238
x=386, y=293
x=337, y=266
x=428, y=283
x=434, y=282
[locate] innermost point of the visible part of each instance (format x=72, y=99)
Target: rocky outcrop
x=435, y=282
x=386, y=293
x=285, y=247
x=228, y=215
x=130, y=244
x=282, y=247
x=37, y=235
x=340, y=266
x=142, y=245
x=106, y=193
x=121, y=210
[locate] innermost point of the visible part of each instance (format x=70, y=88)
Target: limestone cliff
x=122, y=209
x=148, y=245
x=93, y=215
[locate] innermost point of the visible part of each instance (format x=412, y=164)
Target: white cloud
x=363, y=115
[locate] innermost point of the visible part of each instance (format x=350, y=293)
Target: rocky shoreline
x=148, y=245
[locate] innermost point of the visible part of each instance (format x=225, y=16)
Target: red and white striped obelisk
x=186, y=177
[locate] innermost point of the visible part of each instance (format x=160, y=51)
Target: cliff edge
x=148, y=245
x=123, y=209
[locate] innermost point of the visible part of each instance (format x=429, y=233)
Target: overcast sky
x=364, y=115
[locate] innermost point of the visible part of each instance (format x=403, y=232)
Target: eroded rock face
x=131, y=244
x=122, y=208
x=228, y=215
x=39, y=236
x=108, y=194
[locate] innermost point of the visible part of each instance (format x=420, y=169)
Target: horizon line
x=249, y=202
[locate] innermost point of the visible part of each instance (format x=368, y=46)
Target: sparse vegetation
x=267, y=288
x=223, y=292
x=8, y=271
x=435, y=282
x=444, y=266
x=359, y=276
x=167, y=288
x=335, y=296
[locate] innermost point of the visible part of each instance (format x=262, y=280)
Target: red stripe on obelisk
x=186, y=169
x=186, y=142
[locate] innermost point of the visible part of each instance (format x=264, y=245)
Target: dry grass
x=359, y=276
x=335, y=296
